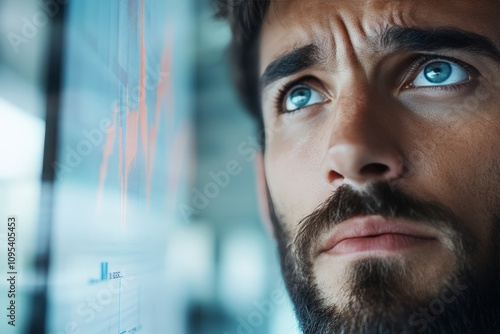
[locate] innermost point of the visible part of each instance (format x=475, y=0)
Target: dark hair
x=245, y=18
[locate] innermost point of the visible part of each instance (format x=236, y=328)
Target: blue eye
x=302, y=96
x=440, y=73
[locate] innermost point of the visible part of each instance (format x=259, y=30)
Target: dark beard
x=377, y=302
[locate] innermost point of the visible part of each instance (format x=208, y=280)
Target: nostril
x=374, y=169
x=332, y=176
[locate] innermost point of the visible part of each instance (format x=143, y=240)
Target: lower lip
x=383, y=242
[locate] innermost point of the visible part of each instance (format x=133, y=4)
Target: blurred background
x=127, y=162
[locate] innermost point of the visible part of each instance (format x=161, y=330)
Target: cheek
x=478, y=176
x=293, y=169
x=462, y=172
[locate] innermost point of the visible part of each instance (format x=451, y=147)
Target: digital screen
x=128, y=166
x=122, y=165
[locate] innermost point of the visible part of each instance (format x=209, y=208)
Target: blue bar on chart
x=104, y=274
x=104, y=271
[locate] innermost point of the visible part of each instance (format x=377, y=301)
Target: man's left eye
x=440, y=73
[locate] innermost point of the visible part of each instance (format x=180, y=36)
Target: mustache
x=379, y=199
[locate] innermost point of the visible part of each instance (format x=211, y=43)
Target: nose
x=361, y=149
x=360, y=164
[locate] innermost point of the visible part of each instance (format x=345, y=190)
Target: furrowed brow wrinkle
x=290, y=63
x=394, y=38
x=402, y=38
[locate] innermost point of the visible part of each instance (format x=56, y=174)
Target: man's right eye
x=301, y=96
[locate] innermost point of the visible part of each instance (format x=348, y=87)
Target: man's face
x=382, y=159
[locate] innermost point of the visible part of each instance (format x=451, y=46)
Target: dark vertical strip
x=53, y=75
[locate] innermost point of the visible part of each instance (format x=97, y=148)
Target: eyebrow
x=395, y=39
x=298, y=60
x=415, y=39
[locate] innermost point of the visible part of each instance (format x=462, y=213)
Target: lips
x=375, y=233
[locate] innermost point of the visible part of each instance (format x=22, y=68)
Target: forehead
x=357, y=23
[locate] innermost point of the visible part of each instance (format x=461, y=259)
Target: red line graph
x=137, y=125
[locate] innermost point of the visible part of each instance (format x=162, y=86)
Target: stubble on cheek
x=470, y=183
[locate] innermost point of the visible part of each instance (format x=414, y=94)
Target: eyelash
x=283, y=91
x=420, y=62
x=423, y=60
